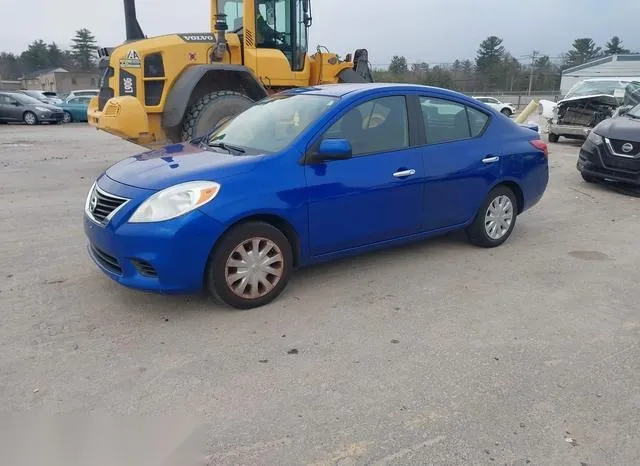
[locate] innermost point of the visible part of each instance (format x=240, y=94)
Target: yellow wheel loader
x=176, y=87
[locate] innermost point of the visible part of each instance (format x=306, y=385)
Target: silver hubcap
x=498, y=218
x=67, y=117
x=29, y=118
x=254, y=268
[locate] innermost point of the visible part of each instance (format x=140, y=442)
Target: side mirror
x=334, y=149
x=15, y=103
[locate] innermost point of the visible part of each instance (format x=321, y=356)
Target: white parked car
x=503, y=107
x=81, y=93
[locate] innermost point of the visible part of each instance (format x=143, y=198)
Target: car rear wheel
x=250, y=266
x=67, y=117
x=506, y=111
x=30, y=118
x=204, y=115
x=495, y=219
x=553, y=137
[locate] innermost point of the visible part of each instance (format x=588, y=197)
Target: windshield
x=272, y=124
x=614, y=87
x=25, y=99
x=634, y=112
x=233, y=9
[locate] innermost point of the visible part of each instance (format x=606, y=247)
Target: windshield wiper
x=228, y=147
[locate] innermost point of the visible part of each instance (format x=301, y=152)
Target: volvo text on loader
x=176, y=87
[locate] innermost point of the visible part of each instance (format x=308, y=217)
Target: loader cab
x=274, y=34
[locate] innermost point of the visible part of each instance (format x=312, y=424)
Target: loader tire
x=205, y=114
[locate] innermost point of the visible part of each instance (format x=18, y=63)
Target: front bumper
x=570, y=130
x=166, y=257
x=124, y=117
x=597, y=162
x=51, y=117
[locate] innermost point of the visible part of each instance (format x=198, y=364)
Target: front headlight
x=175, y=201
x=594, y=138
x=42, y=109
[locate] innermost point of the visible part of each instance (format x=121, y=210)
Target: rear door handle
x=404, y=173
x=490, y=159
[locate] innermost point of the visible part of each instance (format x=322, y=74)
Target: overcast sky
x=434, y=31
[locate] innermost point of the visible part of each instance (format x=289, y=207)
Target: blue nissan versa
x=306, y=176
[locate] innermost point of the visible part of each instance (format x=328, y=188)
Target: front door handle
x=490, y=159
x=404, y=173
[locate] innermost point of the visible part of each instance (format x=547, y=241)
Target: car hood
x=53, y=108
x=179, y=163
x=603, y=99
x=622, y=127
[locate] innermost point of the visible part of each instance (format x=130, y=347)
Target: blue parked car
x=75, y=109
x=309, y=175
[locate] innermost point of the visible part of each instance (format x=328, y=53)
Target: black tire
x=589, y=178
x=207, y=112
x=216, y=281
x=68, y=118
x=553, y=137
x=477, y=231
x=30, y=118
x=506, y=112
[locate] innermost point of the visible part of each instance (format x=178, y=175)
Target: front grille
x=144, y=268
x=617, y=163
x=112, y=110
x=102, y=205
x=106, y=260
x=57, y=116
x=617, y=146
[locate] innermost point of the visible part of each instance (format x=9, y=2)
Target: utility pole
x=534, y=54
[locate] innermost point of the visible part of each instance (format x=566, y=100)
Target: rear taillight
x=540, y=145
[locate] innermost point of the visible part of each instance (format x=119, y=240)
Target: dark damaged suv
x=612, y=150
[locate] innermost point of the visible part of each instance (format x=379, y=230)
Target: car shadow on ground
x=342, y=270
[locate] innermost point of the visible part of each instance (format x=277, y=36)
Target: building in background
x=8, y=85
x=59, y=80
x=614, y=66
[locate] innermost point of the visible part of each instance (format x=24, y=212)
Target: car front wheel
x=67, y=117
x=250, y=266
x=30, y=118
x=495, y=219
x=506, y=112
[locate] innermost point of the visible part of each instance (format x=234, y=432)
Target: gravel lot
x=434, y=353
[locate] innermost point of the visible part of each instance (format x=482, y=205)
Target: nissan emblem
x=626, y=148
x=93, y=203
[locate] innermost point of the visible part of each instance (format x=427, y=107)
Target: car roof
x=344, y=89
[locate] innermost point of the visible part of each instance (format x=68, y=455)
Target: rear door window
x=446, y=121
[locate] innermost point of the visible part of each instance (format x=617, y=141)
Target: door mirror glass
x=15, y=103
x=334, y=149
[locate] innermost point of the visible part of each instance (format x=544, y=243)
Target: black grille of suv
x=615, y=162
x=101, y=204
x=618, y=145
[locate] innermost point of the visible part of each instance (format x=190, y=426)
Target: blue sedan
x=309, y=175
x=75, y=109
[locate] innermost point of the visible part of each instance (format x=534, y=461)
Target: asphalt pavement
x=432, y=353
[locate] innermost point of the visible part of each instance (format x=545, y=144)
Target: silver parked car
x=17, y=107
